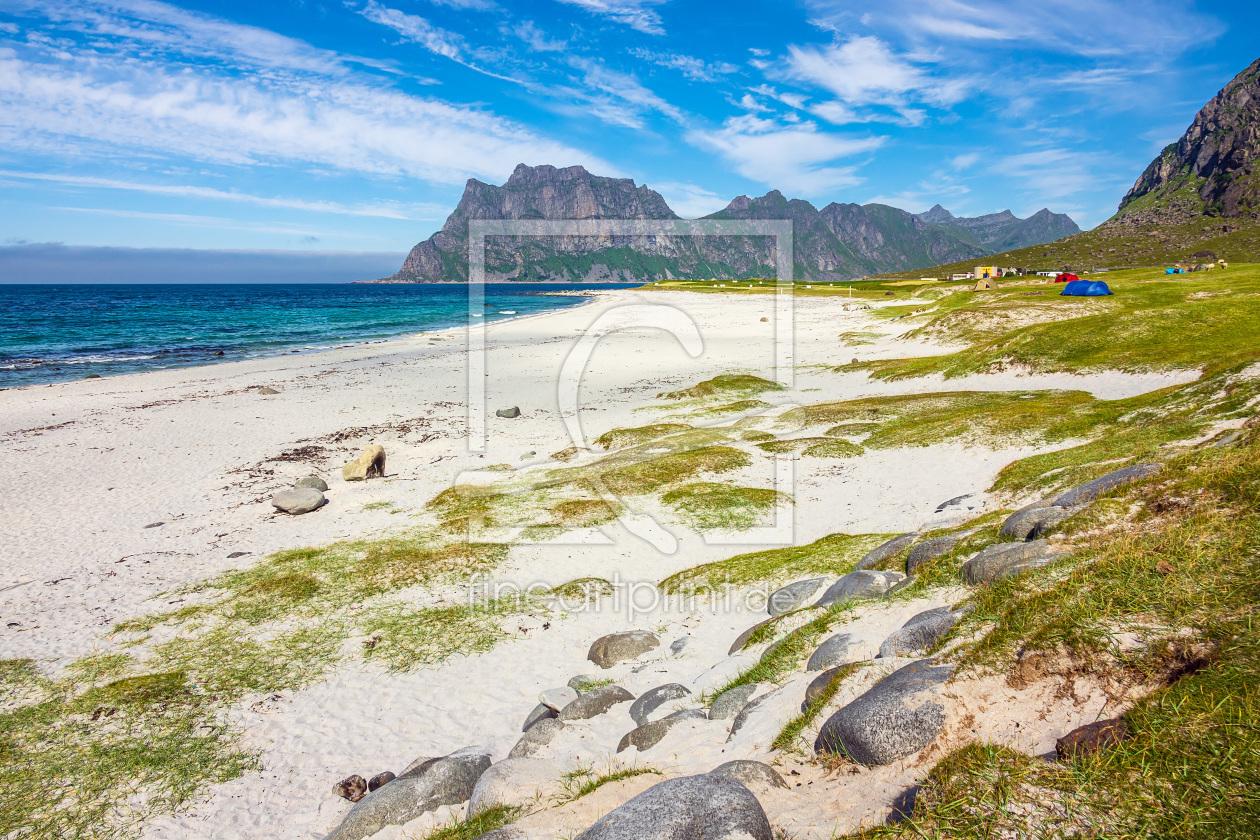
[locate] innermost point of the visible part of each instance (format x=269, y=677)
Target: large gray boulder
x=1104, y=484
x=861, y=585
x=898, y=716
x=650, y=734
x=998, y=561
x=595, y=702
x=313, y=481
x=794, y=595
x=933, y=548
x=651, y=700
x=919, y=633
x=742, y=639
x=542, y=710
x=686, y=808
x=818, y=685
x=515, y=781
x=536, y=737
x=885, y=550
x=608, y=650
x=1030, y=524
x=298, y=500
x=446, y=781
x=754, y=775
x=837, y=650
x=728, y=703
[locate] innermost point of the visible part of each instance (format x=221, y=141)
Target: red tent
x=1065, y=278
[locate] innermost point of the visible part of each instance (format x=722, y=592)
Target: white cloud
x=616, y=97
x=691, y=67
x=965, y=160
x=528, y=32
x=100, y=106
x=865, y=71
x=798, y=159
x=475, y=5
x=384, y=210
x=416, y=29
x=689, y=200
x=637, y=14
x=11, y=28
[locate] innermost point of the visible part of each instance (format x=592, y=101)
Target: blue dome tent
x=1086, y=288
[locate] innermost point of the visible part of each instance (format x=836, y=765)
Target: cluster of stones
x=892, y=720
x=307, y=494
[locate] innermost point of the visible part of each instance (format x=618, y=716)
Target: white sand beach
x=120, y=491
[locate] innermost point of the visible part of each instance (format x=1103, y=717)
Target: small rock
x=313, y=481
x=919, y=633
x=218, y=353
x=154, y=525
x=743, y=638
x=933, y=548
x=754, y=775
x=267, y=392
x=1117, y=478
x=299, y=500
x=677, y=646
x=954, y=502
x=818, y=685
x=540, y=711
x=380, y=779
x=794, y=595
x=595, y=702
x=764, y=319
x=1029, y=524
x=709, y=807
x=509, y=413
x=608, y=650
x=236, y=554
x=859, y=585
x=1091, y=738
x=369, y=464
x=583, y=679
x=536, y=737
x=447, y=781
x=557, y=698
x=353, y=788
x=728, y=703
x=651, y=700
x=885, y=550
x=649, y=734
x=837, y=650
x=895, y=718
x=515, y=782
x=998, y=561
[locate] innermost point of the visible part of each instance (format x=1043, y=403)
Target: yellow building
x=985, y=271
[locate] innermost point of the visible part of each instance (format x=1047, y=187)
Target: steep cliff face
x=1212, y=170
x=839, y=242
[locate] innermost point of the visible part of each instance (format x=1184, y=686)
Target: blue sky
x=353, y=125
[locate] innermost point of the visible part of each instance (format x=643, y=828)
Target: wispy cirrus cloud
x=688, y=200
x=798, y=158
x=637, y=14
x=693, y=68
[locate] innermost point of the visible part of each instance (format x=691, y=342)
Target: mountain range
x=838, y=242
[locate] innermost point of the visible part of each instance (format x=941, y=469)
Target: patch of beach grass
x=855, y=338
x=379, y=506
x=726, y=386
x=621, y=438
x=583, y=589
x=789, y=737
x=643, y=477
x=834, y=554
x=482, y=822
x=787, y=654
x=583, y=513
x=409, y=637
x=710, y=506
x=584, y=780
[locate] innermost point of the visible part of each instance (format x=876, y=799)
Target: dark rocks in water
x=753, y=775
x=508, y=413
x=1091, y=738
x=933, y=548
x=1004, y=559
x=1116, y=478
x=1030, y=524
x=713, y=807
x=607, y=651
x=834, y=651
x=536, y=737
x=895, y=718
x=651, y=700
x=859, y=585
x=313, y=481
x=541, y=711
x=353, y=788
x=793, y=596
x=649, y=734
x=885, y=550
x=595, y=702
x=728, y=703
x=919, y=633
x=380, y=779
x=298, y=500
x=447, y=781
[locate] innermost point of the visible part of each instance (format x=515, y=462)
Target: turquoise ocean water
x=53, y=333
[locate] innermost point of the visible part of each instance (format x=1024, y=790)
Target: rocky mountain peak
x=937, y=215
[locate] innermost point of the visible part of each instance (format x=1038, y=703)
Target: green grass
x=711, y=506
x=833, y=554
x=788, y=653
x=583, y=589
x=727, y=385
x=619, y=438
x=789, y=737
x=485, y=820
x=583, y=780
x=643, y=477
